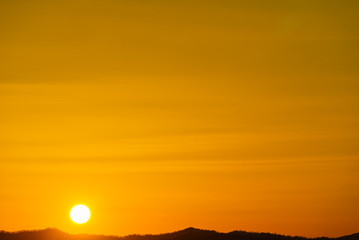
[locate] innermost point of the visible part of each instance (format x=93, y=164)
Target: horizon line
x=166, y=233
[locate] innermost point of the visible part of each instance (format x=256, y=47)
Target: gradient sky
x=160, y=115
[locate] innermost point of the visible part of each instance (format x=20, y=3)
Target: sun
x=80, y=214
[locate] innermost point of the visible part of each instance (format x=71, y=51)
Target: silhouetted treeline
x=186, y=234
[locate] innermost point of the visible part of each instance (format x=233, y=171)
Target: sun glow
x=80, y=214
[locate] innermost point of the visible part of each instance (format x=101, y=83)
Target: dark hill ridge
x=186, y=234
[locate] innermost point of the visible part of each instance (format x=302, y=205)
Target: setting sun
x=80, y=214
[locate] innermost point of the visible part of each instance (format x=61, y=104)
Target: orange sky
x=160, y=115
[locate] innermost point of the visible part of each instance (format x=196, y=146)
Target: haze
x=160, y=115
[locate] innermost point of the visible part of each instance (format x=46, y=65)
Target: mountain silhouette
x=185, y=234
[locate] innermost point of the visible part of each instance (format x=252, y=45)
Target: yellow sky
x=160, y=115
